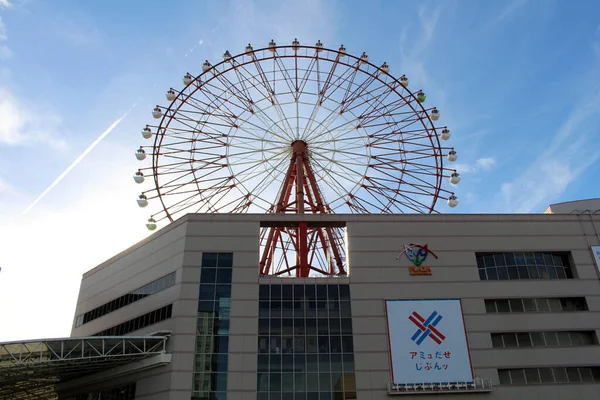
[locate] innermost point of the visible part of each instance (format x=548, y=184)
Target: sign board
x=596, y=251
x=417, y=254
x=428, y=342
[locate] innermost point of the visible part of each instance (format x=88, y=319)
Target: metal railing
x=477, y=385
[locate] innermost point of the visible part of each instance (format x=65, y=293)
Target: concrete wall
x=375, y=274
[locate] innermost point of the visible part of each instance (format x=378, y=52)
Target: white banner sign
x=428, y=341
x=596, y=251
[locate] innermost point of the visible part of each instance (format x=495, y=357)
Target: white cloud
x=568, y=155
x=511, y=8
x=481, y=164
x=5, y=3
x=23, y=125
x=87, y=222
x=3, y=35
x=485, y=163
x=5, y=52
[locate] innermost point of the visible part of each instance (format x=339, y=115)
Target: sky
x=517, y=82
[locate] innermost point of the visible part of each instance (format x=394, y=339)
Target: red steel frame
x=307, y=199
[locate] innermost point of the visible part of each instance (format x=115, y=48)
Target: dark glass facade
x=524, y=265
x=138, y=294
x=124, y=392
x=139, y=322
x=553, y=304
x=305, y=346
x=212, y=330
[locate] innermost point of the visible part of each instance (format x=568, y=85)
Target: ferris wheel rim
x=182, y=98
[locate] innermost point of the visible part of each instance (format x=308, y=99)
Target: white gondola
x=249, y=48
x=142, y=201
x=404, y=81
x=342, y=50
x=295, y=44
x=452, y=201
x=452, y=155
x=205, y=66
x=319, y=46
x=434, y=114
x=364, y=58
x=272, y=46
x=187, y=79
x=138, y=177
x=455, y=178
x=146, y=132
x=446, y=133
x=226, y=55
x=385, y=68
x=170, y=95
x=140, y=154
x=157, y=112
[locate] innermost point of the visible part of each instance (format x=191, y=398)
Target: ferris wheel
x=299, y=130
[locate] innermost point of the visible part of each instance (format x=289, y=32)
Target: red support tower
x=307, y=199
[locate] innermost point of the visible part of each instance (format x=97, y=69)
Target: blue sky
x=517, y=81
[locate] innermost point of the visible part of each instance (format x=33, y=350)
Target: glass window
x=546, y=375
x=537, y=339
x=542, y=304
x=586, y=374
x=504, y=376
x=517, y=376
x=346, y=326
x=588, y=338
x=492, y=273
x=263, y=292
x=344, y=292
x=560, y=375
x=529, y=305
x=209, y=260
x=573, y=375
x=532, y=375
x=225, y=260
x=490, y=306
x=286, y=292
x=497, y=340
x=510, y=340
x=503, y=306
x=223, y=276
x=502, y=273
x=310, y=292
x=516, y=305
x=275, y=292
x=513, y=273
x=524, y=339
x=555, y=305
x=551, y=339
x=563, y=339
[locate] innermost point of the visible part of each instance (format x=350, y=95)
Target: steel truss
x=32, y=369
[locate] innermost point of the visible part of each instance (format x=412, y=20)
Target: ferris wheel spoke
x=271, y=90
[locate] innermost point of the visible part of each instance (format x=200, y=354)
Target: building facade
x=528, y=287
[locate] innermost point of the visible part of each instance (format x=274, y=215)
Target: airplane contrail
x=81, y=157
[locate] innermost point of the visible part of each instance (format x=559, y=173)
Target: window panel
x=546, y=375
x=503, y=306
x=529, y=305
x=516, y=305
x=563, y=339
x=497, y=340
x=573, y=375
x=537, y=338
x=560, y=375
x=502, y=273
x=510, y=340
x=542, y=304
x=490, y=306
x=551, y=339
x=517, y=376
x=524, y=339
x=532, y=376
